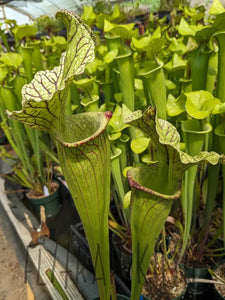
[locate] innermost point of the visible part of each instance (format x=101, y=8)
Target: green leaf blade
x=81, y=44
x=44, y=98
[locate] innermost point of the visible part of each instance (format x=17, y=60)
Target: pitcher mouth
x=134, y=184
x=137, y=186
x=96, y=123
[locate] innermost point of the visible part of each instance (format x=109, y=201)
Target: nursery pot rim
x=51, y=202
x=41, y=197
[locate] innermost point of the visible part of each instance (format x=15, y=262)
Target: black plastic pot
x=196, y=288
x=51, y=203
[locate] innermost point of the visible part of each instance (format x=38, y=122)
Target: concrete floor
x=13, y=265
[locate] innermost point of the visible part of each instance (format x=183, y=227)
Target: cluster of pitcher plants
x=23, y=54
x=143, y=109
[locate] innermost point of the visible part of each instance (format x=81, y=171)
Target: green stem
x=220, y=134
x=18, y=82
x=155, y=87
x=107, y=87
x=223, y=171
x=123, y=163
x=220, y=87
x=211, y=78
x=194, y=136
x=125, y=65
x=113, y=43
x=36, y=56
x=199, y=68
x=34, y=140
x=213, y=171
x=27, y=53
x=213, y=177
x=126, y=69
x=188, y=199
x=117, y=179
x=107, y=90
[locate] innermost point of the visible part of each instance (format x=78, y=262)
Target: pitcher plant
x=81, y=140
x=155, y=187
